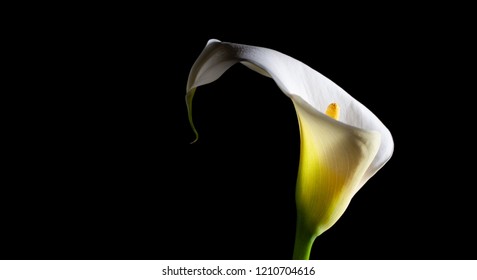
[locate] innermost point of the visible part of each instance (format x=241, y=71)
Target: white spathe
x=337, y=156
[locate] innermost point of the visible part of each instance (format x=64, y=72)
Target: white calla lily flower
x=343, y=144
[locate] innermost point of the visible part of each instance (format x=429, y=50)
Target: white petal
x=333, y=159
x=295, y=79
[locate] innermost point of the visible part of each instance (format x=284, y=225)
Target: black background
x=99, y=164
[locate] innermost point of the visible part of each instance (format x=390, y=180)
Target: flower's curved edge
x=217, y=57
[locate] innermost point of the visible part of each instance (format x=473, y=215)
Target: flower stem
x=303, y=243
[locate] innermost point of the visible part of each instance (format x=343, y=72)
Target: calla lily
x=343, y=144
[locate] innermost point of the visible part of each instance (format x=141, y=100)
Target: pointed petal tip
x=195, y=140
x=189, y=97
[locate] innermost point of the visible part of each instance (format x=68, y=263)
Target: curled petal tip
x=196, y=138
x=189, y=97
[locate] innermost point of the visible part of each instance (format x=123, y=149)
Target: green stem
x=303, y=243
